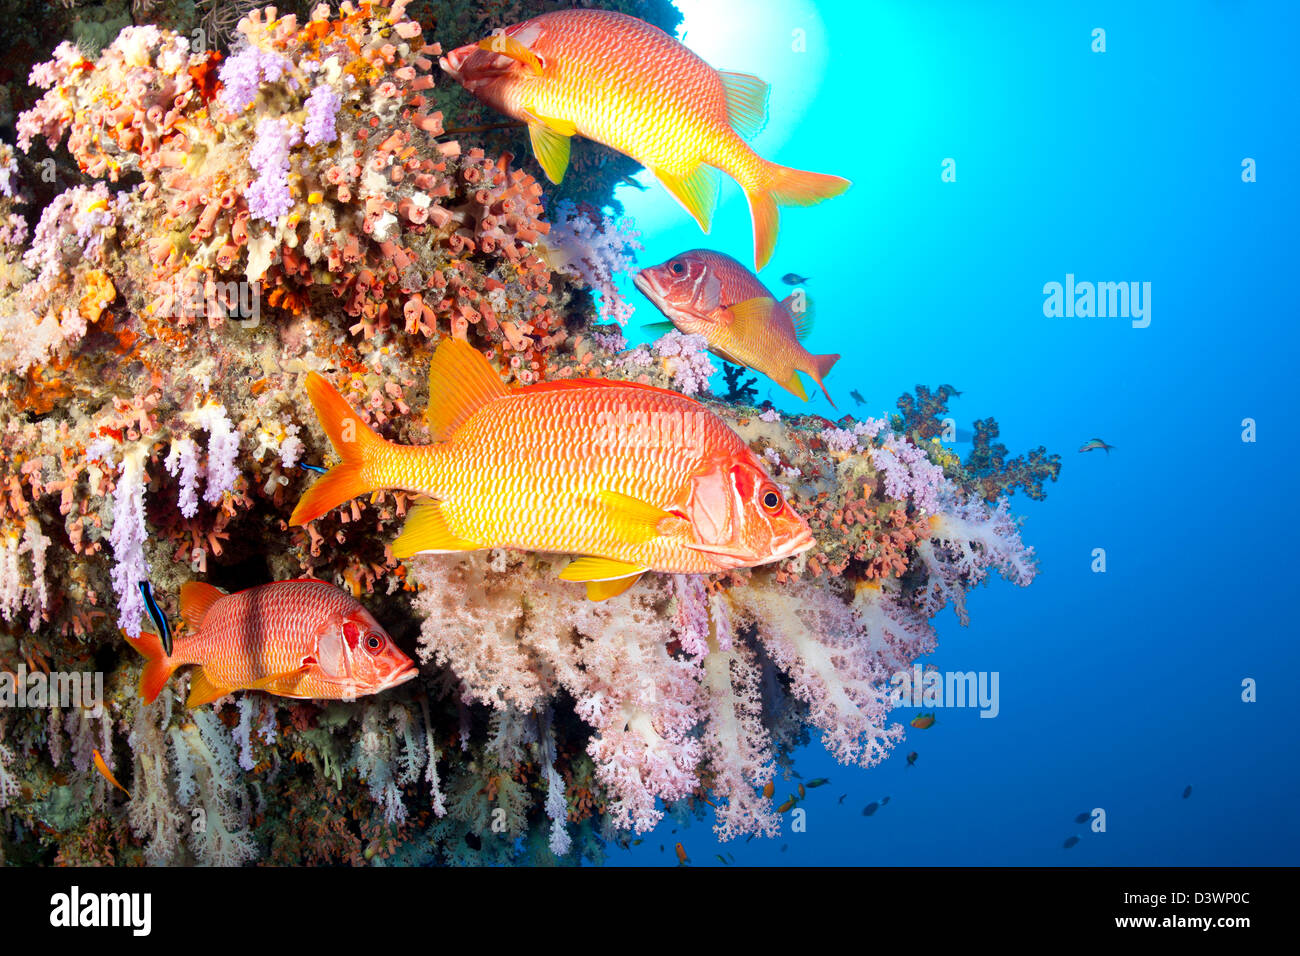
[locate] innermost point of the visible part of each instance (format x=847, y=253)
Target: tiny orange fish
x=625, y=83
x=710, y=294
x=682, y=858
x=107, y=774
x=923, y=721
x=304, y=639
x=769, y=788
x=631, y=477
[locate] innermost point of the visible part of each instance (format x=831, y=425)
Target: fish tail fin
x=785, y=186
x=158, y=666
x=822, y=365
x=356, y=443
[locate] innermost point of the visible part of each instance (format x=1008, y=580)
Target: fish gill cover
x=185, y=234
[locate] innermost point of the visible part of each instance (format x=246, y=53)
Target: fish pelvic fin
x=746, y=102
x=203, y=691
x=601, y=590
x=821, y=366
x=785, y=187
x=197, y=599
x=158, y=667
x=426, y=531
x=356, y=443
x=697, y=192
x=551, y=146
x=461, y=381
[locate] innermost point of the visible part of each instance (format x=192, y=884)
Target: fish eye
x=373, y=643
x=677, y=267
x=771, y=499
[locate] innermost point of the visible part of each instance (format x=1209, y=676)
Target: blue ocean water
x=1120, y=689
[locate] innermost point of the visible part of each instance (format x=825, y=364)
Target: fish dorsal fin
x=563, y=384
x=802, y=317
x=197, y=599
x=509, y=46
x=746, y=102
x=426, y=532
x=202, y=690
x=696, y=191
x=751, y=317
x=461, y=381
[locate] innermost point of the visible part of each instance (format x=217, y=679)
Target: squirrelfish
x=301, y=638
x=631, y=477
x=710, y=294
x=625, y=83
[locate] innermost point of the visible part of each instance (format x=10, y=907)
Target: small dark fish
x=632, y=182
x=661, y=847
x=857, y=397
x=796, y=774
x=870, y=809
x=316, y=468
x=1188, y=792
x=749, y=838
x=841, y=799
x=818, y=782
x=1071, y=841
x=950, y=390
x=722, y=859
x=1093, y=444
x=1083, y=818
x=884, y=800
x=731, y=856
x=802, y=792
x=791, y=278
x=156, y=615
x=638, y=841
x=911, y=758
x=784, y=847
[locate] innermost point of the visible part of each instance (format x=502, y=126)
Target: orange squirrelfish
x=302, y=638
x=627, y=84
x=709, y=294
x=633, y=478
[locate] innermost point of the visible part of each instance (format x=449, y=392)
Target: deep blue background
x=1117, y=689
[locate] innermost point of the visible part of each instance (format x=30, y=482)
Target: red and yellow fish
x=631, y=477
x=710, y=294
x=301, y=638
x=625, y=83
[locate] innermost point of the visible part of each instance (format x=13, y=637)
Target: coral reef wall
x=200, y=204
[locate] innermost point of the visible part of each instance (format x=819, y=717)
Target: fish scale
x=542, y=450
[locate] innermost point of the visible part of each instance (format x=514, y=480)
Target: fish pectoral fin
x=600, y=590
x=509, y=46
x=635, y=520
x=203, y=691
x=721, y=550
x=750, y=318
x=697, y=192
x=551, y=148
x=426, y=531
x=800, y=308
x=746, y=102
x=591, y=568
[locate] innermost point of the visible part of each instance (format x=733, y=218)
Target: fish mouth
x=409, y=672
x=798, y=544
x=647, y=288
x=453, y=62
